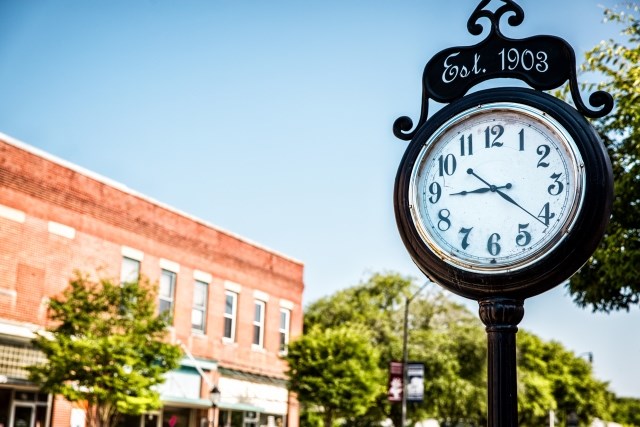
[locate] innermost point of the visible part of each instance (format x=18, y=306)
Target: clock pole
x=501, y=317
x=479, y=251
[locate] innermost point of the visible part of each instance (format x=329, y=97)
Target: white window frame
x=172, y=298
x=126, y=259
x=284, y=330
x=259, y=323
x=201, y=308
x=231, y=316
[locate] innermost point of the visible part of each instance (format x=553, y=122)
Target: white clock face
x=496, y=187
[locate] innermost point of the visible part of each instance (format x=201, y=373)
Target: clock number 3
x=557, y=187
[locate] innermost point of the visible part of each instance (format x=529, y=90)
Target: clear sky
x=270, y=119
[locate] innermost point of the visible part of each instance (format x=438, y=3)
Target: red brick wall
x=35, y=263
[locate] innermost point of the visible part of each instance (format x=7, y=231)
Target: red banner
x=395, y=386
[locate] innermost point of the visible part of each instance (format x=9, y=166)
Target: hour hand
x=481, y=190
x=464, y=193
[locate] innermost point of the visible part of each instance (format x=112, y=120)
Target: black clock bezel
x=554, y=266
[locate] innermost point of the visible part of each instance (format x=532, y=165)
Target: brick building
x=235, y=304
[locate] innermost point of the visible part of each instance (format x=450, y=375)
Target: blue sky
x=271, y=120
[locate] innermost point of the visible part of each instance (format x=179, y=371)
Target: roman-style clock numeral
x=465, y=237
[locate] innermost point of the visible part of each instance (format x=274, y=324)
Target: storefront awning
x=205, y=404
x=240, y=407
x=184, y=402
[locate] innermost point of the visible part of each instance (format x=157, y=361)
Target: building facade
x=235, y=304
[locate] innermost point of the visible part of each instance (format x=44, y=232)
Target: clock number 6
x=492, y=244
x=524, y=237
x=445, y=223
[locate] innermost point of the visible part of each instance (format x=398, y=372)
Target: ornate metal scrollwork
x=543, y=62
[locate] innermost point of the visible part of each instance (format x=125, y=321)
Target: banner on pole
x=415, y=382
x=395, y=385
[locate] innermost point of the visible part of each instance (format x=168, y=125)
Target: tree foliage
x=335, y=371
x=107, y=349
x=451, y=342
x=611, y=278
x=443, y=335
x=553, y=378
x=627, y=411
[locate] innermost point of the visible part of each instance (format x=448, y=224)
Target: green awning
x=185, y=402
x=240, y=407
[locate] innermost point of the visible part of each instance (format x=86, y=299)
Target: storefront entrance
x=19, y=408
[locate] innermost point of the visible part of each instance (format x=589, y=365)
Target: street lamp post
x=214, y=396
x=405, y=335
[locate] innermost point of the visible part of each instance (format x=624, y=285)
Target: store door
x=22, y=415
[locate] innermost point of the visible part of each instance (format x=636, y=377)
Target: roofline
x=119, y=186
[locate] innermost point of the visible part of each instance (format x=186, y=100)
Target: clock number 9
x=436, y=192
x=492, y=244
x=524, y=237
x=557, y=187
x=445, y=223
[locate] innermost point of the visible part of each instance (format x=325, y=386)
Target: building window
x=167, y=291
x=199, y=309
x=258, y=323
x=130, y=270
x=230, y=306
x=285, y=318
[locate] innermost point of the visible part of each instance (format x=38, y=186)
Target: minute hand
x=510, y=200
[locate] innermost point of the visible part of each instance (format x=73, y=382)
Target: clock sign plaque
x=504, y=193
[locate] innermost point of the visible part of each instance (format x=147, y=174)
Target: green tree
x=107, y=349
x=335, y=371
x=627, y=411
x=611, y=278
x=443, y=335
x=553, y=378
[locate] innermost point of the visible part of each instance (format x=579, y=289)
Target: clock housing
x=505, y=191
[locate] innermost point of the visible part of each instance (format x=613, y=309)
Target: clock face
x=496, y=187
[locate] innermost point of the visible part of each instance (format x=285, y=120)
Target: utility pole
x=405, y=336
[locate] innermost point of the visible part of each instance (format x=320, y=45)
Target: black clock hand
x=493, y=188
x=481, y=190
x=471, y=172
x=510, y=200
